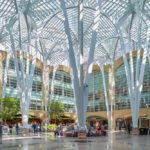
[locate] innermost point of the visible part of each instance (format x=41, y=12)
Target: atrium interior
x=91, y=55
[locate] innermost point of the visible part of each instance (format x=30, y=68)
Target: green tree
x=57, y=110
x=9, y=108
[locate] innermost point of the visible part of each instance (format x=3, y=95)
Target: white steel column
x=140, y=65
x=89, y=71
x=105, y=93
x=130, y=90
x=6, y=74
x=52, y=82
x=141, y=78
x=90, y=59
x=111, y=95
x=72, y=64
x=45, y=89
x=80, y=106
x=24, y=80
x=134, y=88
x=148, y=44
x=52, y=86
x=46, y=55
x=29, y=78
x=80, y=85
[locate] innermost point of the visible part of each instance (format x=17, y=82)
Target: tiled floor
x=119, y=141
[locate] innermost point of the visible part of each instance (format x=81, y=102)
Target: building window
x=11, y=82
x=97, y=96
x=57, y=90
x=11, y=64
x=58, y=77
x=69, y=108
x=51, y=75
x=36, y=86
x=37, y=71
x=90, y=96
x=50, y=89
x=68, y=93
x=67, y=79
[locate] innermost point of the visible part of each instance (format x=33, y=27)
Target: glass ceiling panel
x=45, y=18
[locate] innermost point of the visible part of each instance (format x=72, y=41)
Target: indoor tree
x=57, y=110
x=9, y=108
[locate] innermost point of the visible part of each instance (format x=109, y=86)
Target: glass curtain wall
x=121, y=90
x=96, y=92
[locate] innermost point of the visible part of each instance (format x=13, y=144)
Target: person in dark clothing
x=120, y=126
x=34, y=127
x=56, y=132
x=129, y=128
x=17, y=129
x=1, y=132
x=10, y=128
x=1, y=128
x=89, y=131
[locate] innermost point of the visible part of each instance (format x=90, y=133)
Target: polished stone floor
x=118, y=141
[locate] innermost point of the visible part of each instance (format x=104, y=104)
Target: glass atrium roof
x=30, y=21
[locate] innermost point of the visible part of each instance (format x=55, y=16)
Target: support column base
x=25, y=131
x=82, y=135
x=135, y=131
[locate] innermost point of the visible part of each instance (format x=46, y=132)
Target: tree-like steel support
x=45, y=79
x=134, y=88
x=24, y=77
x=105, y=94
x=46, y=55
x=52, y=88
x=134, y=78
x=80, y=83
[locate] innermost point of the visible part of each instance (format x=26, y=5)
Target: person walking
x=129, y=128
x=34, y=126
x=17, y=128
x=120, y=126
x=10, y=128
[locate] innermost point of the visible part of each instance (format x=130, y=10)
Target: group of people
x=99, y=131
x=91, y=130
x=16, y=128
x=59, y=130
x=10, y=127
x=36, y=127
x=127, y=126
